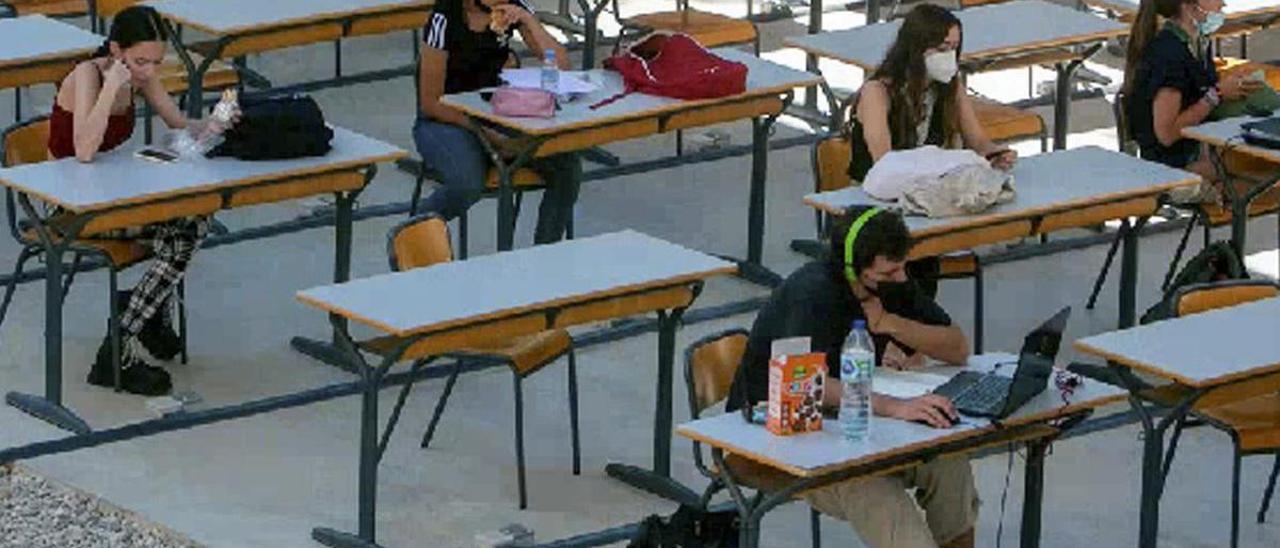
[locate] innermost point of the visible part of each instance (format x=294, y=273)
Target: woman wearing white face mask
x=917, y=97
x=1171, y=83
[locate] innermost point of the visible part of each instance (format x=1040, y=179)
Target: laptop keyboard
x=986, y=395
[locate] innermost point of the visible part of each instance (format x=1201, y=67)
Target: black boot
x=136, y=377
x=157, y=335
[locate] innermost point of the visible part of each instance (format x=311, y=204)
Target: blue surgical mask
x=1213, y=20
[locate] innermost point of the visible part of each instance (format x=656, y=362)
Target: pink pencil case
x=523, y=102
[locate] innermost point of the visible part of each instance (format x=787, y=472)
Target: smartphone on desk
x=157, y=155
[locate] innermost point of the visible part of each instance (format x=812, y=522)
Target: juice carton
x=795, y=392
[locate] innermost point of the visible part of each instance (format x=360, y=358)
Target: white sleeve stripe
x=526, y=5
x=436, y=33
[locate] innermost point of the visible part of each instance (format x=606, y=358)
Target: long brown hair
x=1144, y=29
x=926, y=26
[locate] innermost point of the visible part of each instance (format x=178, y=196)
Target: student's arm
x=163, y=104
x=975, y=138
x=431, y=74
x=1169, y=118
x=946, y=343
x=532, y=32
x=873, y=114
x=94, y=99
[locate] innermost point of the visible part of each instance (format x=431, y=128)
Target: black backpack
x=689, y=527
x=1216, y=263
x=277, y=128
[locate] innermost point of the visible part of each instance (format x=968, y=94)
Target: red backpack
x=677, y=66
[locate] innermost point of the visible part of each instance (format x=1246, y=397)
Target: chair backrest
x=1120, y=110
x=26, y=142
x=710, y=365
x=1194, y=299
x=830, y=159
x=418, y=242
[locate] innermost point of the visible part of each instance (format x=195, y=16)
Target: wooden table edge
x=1087, y=348
x=48, y=58
x=316, y=19
x=1026, y=214
x=205, y=189
x=489, y=117
x=973, y=57
x=1243, y=147
x=512, y=312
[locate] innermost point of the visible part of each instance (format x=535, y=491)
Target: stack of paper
x=571, y=81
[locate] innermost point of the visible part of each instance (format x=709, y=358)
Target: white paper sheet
x=571, y=82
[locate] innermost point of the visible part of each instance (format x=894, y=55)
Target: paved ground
x=266, y=481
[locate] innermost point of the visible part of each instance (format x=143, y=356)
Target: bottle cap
x=859, y=324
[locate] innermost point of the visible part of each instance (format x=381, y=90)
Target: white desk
x=1055, y=191
x=1200, y=352
x=35, y=49
x=1007, y=35
x=516, y=293
x=119, y=190
x=577, y=127
x=823, y=458
x=1226, y=136
x=241, y=27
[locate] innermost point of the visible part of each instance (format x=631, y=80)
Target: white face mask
x=942, y=66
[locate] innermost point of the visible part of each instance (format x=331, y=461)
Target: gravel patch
x=36, y=512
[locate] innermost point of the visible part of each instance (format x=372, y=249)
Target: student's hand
x=931, y=409
x=506, y=16
x=116, y=77
x=1003, y=159
x=896, y=358
x=1238, y=86
x=873, y=310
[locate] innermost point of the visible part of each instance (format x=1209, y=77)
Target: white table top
x=824, y=452
x=36, y=37
x=1200, y=350
x=119, y=178
x=1230, y=131
x=1053, y=181
x=763, y=78
x=1234, y=9
x=998, y=29
x=507, y=284
x=224, y=17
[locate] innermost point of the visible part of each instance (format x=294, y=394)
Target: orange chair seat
x=121, y=253
x=524, y=177
x=1255, y=420
x=1006, y=123
x=524, y=354
x=174, y=74
x=709, y=29
x=1265, y=204
x=52, y=8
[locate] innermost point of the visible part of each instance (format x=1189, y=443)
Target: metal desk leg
x=591, y=32
x=1033, y=500
x=195, y=74
x=327, y=351
x=753, y=269
x=49, y=408
x=658, y=480
x=1129, y=274
x=1239, y=202
x=1062, y=101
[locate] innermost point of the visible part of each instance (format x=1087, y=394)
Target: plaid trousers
x=173, y=244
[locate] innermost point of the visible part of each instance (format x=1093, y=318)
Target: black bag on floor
x=1216, y=263
x=689, y=527
x=277, y=128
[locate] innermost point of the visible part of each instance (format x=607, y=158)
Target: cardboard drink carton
x=795, y=390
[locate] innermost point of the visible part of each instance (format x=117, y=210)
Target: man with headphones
x=865, y=278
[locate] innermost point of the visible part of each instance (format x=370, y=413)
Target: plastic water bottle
x=857, y=362
x=550, y=72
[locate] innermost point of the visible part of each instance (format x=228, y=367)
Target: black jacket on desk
x=816, y=302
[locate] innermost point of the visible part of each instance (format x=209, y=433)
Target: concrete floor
x=267, y=480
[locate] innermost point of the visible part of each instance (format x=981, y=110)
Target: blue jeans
x=460, y=160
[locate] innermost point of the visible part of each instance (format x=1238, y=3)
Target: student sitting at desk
x=819, y=301
x=465, y=46
x=1171, y=83
x=917, y=97
x=94, y=112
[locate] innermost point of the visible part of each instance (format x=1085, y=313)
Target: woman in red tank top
x=94, y=113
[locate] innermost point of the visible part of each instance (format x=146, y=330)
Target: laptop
x=996, y=396
x=1263, y=133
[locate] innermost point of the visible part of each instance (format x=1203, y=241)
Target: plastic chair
x=1248, y=412
x=710, y=365
x=27, y=143
x=424, y=241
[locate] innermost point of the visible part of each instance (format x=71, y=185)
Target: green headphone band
x=852, y=237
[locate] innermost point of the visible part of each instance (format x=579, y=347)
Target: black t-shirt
x=816, y=302
x=475, y=58
x=1168, y=62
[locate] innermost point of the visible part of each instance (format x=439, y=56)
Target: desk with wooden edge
x=433, y=310
x=119, y=190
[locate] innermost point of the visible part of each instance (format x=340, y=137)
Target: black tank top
x=860, y=161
